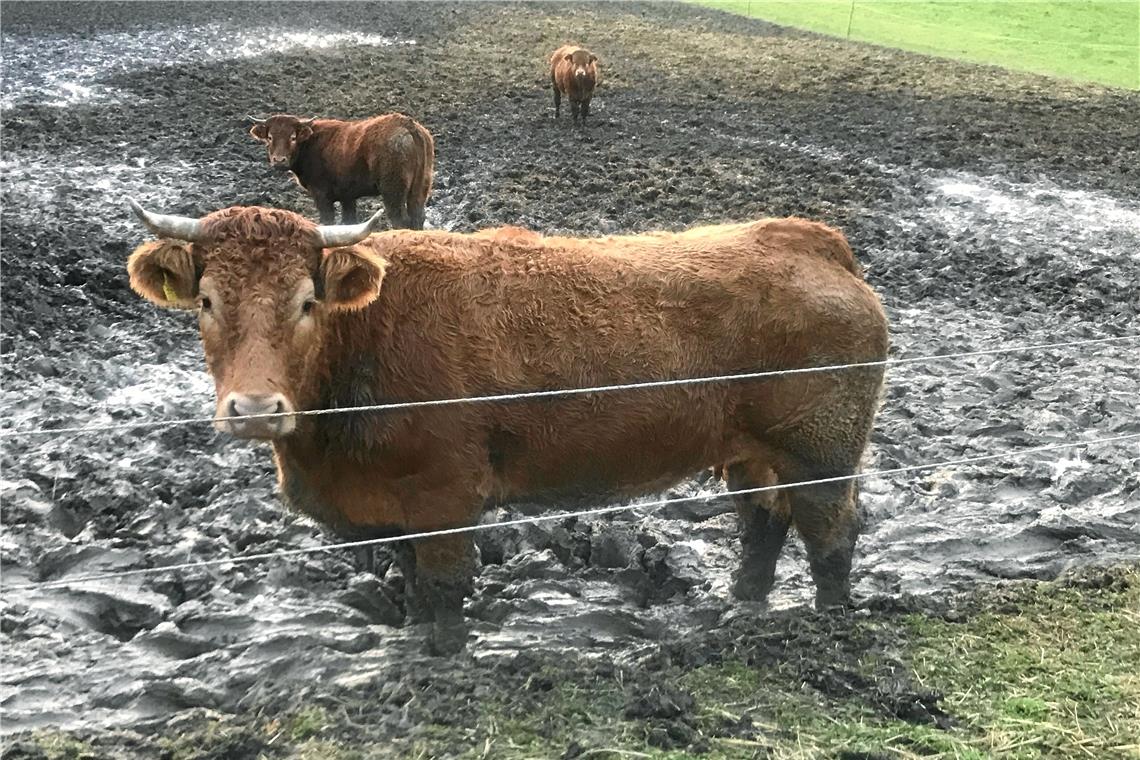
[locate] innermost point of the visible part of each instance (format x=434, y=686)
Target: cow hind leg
x=557, y=102
x=764, y=521
x=444, y=578
x=827, y=520
x=395, y=205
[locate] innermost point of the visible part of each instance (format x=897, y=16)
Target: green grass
x=1090, y=40
x=1060, y=678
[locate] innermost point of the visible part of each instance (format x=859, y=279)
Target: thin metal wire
x=502, y=397
x=566, y=515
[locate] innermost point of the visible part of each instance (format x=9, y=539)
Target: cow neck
x=351, y=374
x=308, y=162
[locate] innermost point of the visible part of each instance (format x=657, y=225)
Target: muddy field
x=990, y=208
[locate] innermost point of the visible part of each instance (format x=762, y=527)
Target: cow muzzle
x=240, y=405
x=281, y=163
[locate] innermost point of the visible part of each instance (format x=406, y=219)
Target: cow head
x=264, y=283
x=282, y=135
x=584, y=65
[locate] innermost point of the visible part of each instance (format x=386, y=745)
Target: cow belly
x=357, y=186
x=618, y=456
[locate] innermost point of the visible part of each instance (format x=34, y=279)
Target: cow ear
x=165, y=272
x=568, y=57
x=593, y=58
x=304, y=132
x=351, y=278
x=259, y=132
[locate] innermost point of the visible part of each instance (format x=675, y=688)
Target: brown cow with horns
x=296, y=317
x=392, y=156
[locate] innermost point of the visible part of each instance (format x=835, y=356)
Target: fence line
x=503, y=397
x=565, y=515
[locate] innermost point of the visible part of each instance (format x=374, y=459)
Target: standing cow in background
x=392, y=156
x=298, y=317
x=574, y=73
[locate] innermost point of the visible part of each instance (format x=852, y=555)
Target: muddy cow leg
x=394, y=207
x=348, y=211
x=416, y=216
x=827, y=520
x=585, y=110
x=828, y=442
x=445, y=570
x=405, y=556
x=575, y=109
x=365, y=557
x=764, y=521
x=326, y=207
x=557, y=101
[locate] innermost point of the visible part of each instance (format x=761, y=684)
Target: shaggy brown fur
x=392, y=156
x=427, y=315
x=574, y=73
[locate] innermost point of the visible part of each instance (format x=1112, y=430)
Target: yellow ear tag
x=168, y=291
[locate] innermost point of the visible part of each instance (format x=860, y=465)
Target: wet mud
x=989, y=208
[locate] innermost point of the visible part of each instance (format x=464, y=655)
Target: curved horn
x=255, y=120
x=336, y=235
x=308, y=121
x=164, y=225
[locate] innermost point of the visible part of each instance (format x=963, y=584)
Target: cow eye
x=307, y=307
x=205, y=304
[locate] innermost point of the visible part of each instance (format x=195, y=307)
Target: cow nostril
x=280, y=407
x=233, y=408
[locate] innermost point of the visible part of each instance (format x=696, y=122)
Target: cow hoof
x=832, y=602
x=447, y=639
x=751, y=588
x=418, y=613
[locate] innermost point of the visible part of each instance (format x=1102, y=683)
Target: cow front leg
x=326, y=207
x=405, y=556
x=416, y=216
x=348, y=211
x=575, y=110
x=444, y=578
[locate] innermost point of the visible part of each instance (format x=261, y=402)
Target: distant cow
x=392, y=156
x=574, y=73
x=299, y=317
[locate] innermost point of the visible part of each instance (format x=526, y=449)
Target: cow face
x=264, y=289
x=282, y=135
x=584, y=65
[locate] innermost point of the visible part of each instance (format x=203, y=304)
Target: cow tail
x=421, y=185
